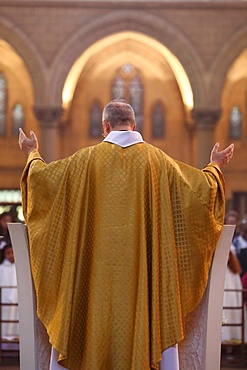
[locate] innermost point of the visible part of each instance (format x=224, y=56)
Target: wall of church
x=19, y=91
x=49, y=37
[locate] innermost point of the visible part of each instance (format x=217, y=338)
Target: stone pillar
x=205, y=120
x=48, y=118
x=191, y=130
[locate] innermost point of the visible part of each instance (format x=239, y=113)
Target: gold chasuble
x=121, y=242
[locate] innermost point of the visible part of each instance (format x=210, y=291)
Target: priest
x=121, y=242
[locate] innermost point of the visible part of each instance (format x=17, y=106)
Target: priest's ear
x=106, y=127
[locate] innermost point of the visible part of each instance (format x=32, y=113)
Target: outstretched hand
x=28, y=145
x=223, y=157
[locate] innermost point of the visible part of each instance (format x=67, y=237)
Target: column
x=205, y=120
x=191, y=130
x=48, y=118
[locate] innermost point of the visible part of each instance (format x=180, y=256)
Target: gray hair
x=119, y=113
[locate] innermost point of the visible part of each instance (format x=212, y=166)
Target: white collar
x=124, y=138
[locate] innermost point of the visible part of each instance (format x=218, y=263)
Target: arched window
x=127, y=85
x=17, y=118
x=235, y=123
x=3, y=104
x=119, y=88
x=95, y=129
x=136, y=100
x=158, y=121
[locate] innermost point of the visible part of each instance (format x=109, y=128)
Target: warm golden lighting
x=11, y=59
x=128, y=38
x=238, y=69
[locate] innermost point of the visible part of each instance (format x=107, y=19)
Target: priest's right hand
x=28, y=145
x=221, y=158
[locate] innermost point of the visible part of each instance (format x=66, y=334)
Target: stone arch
x=226, y=56
x=30, y=55
x=151, y=26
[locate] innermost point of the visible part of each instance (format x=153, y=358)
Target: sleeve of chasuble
x=198, y=198
x=39, y=184
x=215, y=179
x=33, y=156
x=207, y=186
x=50, y=197
x=44, y=185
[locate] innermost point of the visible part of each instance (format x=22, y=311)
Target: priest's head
x=118, y=115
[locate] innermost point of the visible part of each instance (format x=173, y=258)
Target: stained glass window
x=136, y=92
x=127, y=68
x=158, y=121
x=127, y=85
x=235, y=123
x=17, y=118
x=119, y=88
x=3, y=104
x=95, y=129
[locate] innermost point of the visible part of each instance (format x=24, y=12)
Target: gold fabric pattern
x=121, y=242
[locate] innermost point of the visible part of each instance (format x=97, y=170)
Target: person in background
x=9, y=294
x=232, y=298
x=233, y=295
x=232, y=218
x=240, y=243
x=119, y=255
x=5, y=218
x=244, y=283
x=14, y=214
x=232, y=289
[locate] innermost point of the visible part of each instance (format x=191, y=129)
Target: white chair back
x=201, y=348
x=34, y=346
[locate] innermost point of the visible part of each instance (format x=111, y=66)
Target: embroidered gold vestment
x=121, y=242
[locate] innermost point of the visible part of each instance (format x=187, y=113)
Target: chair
x=201, y=348
x=238, y=348
x=9, y=345
x=199, y=351
x=34, y=345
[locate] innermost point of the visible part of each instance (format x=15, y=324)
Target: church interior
x=181, y=64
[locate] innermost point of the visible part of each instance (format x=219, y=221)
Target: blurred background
x=181, y=64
